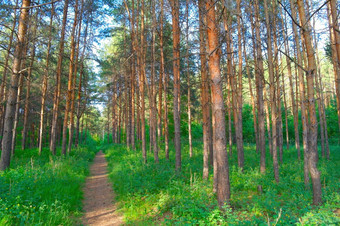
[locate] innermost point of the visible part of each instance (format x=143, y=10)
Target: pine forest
x=170, y=112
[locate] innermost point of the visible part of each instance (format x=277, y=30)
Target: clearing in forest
x=98, y=196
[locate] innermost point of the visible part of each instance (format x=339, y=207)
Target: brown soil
x=98, y=196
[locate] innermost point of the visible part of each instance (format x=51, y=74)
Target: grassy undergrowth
x=153, y=194
x=44, y=190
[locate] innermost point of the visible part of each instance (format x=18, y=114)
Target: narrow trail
x=98, y=196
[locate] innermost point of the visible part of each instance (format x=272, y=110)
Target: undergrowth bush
x=44, y=190
x=153, y=194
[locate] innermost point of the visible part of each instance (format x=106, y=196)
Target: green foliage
x=44, y=190
x=154, y=194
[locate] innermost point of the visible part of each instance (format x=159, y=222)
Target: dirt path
x=98, y=196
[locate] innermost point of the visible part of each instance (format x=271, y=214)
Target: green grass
x=44, y=190
x=153, y=194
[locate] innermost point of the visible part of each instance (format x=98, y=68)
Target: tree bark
x=12, y=96
x=176, y=70
x=313, y=128
x=29, y=77
x=3, y=95
x=188, y=76
x=56, y=99
x=336, y=42
x=303, y=103
x=142, y=82
x=222, y=170
x=45, y=83
x=272, y=94
x=259, y=73
x=71, y=75
x=289, y=70
x=204, y=90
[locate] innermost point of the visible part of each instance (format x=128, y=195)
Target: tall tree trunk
x=259, y=73
x=204, y=90
x=251, y=93
x=222, y=169
x=4, y=77
x=29, y=78
x=70, y=83
x=142, y=82
x=272, y=94
x=76, y=66
x=230, y=75
x=289, y=70
x=313, y=128
x=188, y=75
x=12, y=96
x=176, y=70
x=161, y=74
x=153, y=119
x=336, y=43
x=239, y=101
x=277, y=79
x=304, y=114
x=56, y=99
x=45, y=83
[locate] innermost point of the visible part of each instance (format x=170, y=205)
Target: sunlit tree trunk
x=336, y=42
x=45, y=83
x=272, y=94
x=313, y=128
x=56, y=99
x=292, y=97
x=142, y=82
x=176, y=70
x=204, y=90
x=304, y=115
x=153, y=119
x=188, y=76
x=73, y=93
x=70, y=80
x=222, y=168
x=3, y=94
x=12, y=95
x=259, y=73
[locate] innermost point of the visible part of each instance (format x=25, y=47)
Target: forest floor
x=98, y=196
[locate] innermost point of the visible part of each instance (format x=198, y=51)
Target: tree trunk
x=289, y=70
x=176, y=70
x=29, y=77
x=153, y=119
x=56, y=99
x=259, y=73
x=304, y=114
x=336, y=43
x=161, y=74
x=313, y=128
x=222, y=169
x=142, y=82
x=272, y=95
x=188, y=76
x=45, y=83
x=12, y=96
x=3, y=95
x=204, y=90
x=239, y=101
